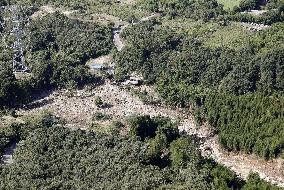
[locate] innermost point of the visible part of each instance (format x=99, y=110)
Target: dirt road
x=78, y=110
x=118, y=41
x=119, y=24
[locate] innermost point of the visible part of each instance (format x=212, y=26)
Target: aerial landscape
x=142, y=94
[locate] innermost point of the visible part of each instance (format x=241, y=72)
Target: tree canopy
x=245, y=82
x=53, y=157
x=56, y=50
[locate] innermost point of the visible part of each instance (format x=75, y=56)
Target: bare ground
x=44, y=10
x=78, y=110
x=101, y=60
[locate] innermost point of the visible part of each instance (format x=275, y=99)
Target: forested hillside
x=218, y=73
x=73, y=3
x=64, y=45
x=57, y=49
x=57, y=158
x=238, y=90
x=191, y=9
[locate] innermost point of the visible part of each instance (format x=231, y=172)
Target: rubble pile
x=254, y=26
x=78, y=109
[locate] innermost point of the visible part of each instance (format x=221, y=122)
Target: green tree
x=248, y=4
x=8, y=87
x=98, y=101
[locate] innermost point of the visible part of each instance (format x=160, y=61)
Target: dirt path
x=255, y=12
x=119, y=24
x=118, y=41
x=78, y=111
x=241, y=163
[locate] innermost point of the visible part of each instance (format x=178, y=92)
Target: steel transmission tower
x=13, y=23
x=18, y=53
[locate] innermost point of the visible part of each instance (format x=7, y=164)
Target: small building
x=102, y=64
x=96, y=67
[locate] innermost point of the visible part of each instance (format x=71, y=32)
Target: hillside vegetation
x=229, y=4
x=236, y=89
x=58, y=48
x=54, y=157
x=226, y=66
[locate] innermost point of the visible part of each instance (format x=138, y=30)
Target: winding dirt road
x=78, y=110
x=118, y=41
x=119, y=24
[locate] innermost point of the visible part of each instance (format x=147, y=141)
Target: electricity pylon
x=17, y=32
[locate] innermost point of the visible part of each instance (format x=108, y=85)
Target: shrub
x=98, y=101
x=248, y=4
x=99, y=116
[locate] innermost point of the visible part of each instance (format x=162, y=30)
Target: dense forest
x=81, y=4
x=54, y=157
x=238, y=90
x=237, y=86
x=208, y=10
x=192, y=9
x=58, y=39
x=57, y=49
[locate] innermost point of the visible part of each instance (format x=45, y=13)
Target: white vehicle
x=132, y=81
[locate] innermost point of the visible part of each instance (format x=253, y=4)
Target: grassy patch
x=99, y=116
x=189, y=26
x=233, y=36
x=123, y=11
x=229, y=4
x=211, y=33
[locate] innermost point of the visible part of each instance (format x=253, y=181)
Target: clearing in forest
x=229, y=4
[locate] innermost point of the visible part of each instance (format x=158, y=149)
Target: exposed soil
x=129, y=2
x=44, y=10
x=101, y=60
x=78, y=111
x=255, y=12
x=271, y=171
